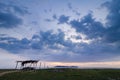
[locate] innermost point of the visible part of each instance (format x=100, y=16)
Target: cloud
x=20, y=10
x=52, y=46
x=76, y=12
x=48, y=39
x=89, y=26
x=54, y=16
x=76, y=53
x=95, y=29
x=105, y=38
x=69, y=6
x=9, y=20
x=73, y=10
x=113, y=18
x=48, y=20
x=13, y=45
x=63, y=19
x=39, y=41
x=51, y=20
x=10, y=15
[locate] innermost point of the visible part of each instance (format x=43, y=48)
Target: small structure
x=65, y=67
x=27, y=64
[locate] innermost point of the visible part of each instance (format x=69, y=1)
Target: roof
x=28, y=61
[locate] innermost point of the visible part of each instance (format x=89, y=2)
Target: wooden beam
x=16, y=65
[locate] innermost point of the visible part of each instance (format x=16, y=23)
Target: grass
x=65, y=74
x=4, y=70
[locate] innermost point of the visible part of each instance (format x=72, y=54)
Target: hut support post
x=16, y=65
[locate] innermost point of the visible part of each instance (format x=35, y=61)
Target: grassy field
x=64, y=74
x=4, y=70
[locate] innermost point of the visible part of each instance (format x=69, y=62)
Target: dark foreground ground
x=64, y=74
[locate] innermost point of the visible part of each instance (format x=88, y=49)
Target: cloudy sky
x=85, y=33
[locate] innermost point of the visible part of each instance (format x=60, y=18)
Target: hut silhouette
x=24, y=64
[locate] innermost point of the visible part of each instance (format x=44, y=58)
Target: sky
x=60, y=32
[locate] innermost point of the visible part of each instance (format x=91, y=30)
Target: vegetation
x=64, y=74
x=4, y=70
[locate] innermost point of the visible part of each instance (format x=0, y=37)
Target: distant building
x=74, y=67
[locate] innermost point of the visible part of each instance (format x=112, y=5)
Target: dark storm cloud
x=39, y=41
x=9, y=20
x=13, y=45
x=89, y=26
x=108, y=46
x=113, y=18
x=63, y=19
x=48, y=40
x=9, y=15
x=20, y=10
x=52, y=40
x=93, y=29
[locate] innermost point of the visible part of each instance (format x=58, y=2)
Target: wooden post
x=21, y=66
x=16, y=65
x=33, y=65
x=30, y=64
x=44, y=65
x=36, y=65
x=40, y=66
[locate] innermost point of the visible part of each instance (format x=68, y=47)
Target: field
x=4, y=70
x=64, y=74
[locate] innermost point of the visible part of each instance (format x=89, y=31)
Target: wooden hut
x=27, y=64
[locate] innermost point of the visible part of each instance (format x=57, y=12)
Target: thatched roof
x=27, y=61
